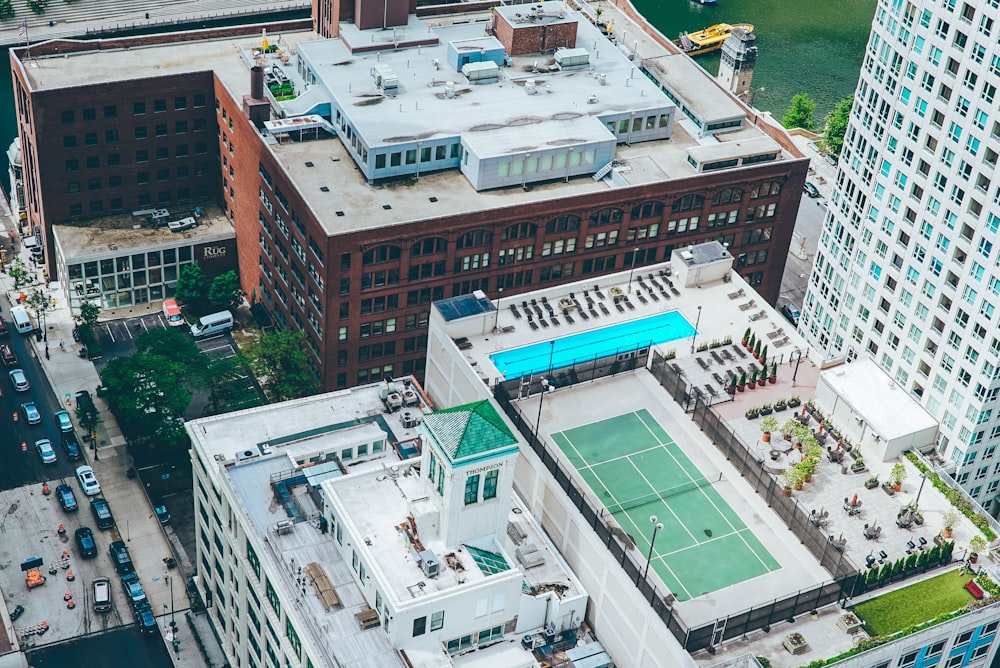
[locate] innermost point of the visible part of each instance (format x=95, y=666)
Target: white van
x=216, y=323
x=22, y=323
x=172, y=312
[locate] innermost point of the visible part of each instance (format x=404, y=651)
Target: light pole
x=694, y=337
x=496, y=325
x=916, y=502
x=657, y=526
x=635, y=251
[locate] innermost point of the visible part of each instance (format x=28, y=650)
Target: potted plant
x=976, y=545
x=751, y=341
x=752, y=413
x=774, y=373
x=741, y=385
x=671, y=354
x=888, y=488
x=794, y=401
x=789, y=478
x=727, y=340
x=756, y=350
x=766, y=409
x=859, y=465
x=763, y=353
x=752, y=383
x=780, y=405
x=897, y=475
x=732, y=386
x=950, y=519
x=849, y=623
x=872, y=482
x=767, y=425
x=795, y=643
x=806, y=470
x=746, y=337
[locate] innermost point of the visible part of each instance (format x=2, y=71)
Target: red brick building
x=354, y=261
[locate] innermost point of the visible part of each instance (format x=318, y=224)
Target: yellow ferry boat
x=709, y=39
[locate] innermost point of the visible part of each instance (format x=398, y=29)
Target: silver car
x=19, y=380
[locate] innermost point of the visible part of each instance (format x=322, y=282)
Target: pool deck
x=725, y=310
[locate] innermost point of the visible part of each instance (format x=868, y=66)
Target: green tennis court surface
x=636, y=469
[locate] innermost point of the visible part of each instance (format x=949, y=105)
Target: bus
x=22, y=323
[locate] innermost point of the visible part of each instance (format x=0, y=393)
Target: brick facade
x=521, y=38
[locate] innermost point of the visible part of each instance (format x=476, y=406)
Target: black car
x=791, y=311
x=70, y=445
x=16, y=612
x=102, y=513
x=85, y=541
x=67, y=498
x=121, y=557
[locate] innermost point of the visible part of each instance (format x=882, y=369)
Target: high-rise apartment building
x=908, y=267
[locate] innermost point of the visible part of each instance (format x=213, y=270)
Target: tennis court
x=637, y=470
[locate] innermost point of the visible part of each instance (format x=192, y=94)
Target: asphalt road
x=124, y=648
x=19, y=461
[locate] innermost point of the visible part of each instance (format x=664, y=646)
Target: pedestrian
x=62, y=344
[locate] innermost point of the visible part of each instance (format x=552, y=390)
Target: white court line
x=110, y=333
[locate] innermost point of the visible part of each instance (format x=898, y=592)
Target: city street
x=19, y=462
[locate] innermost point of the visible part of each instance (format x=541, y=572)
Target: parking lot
x=30, y=528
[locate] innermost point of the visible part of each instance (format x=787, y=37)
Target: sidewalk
x=147, y=541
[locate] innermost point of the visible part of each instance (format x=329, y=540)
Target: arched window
x=727, y=196
x=384, y=253
x=563, y=224
x=647, y=210
x=519, y=231
x=687, y=203
x=607, y=216
x=428, y=246
x=474, y=238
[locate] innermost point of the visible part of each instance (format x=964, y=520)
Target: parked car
x=71, y=446
x=83, y=399
x=121, y=557
x=102, y=594
x=133, y=589
x=85, y=541
x=162, y=514
x=19, y=380
x=88, y=481
x=7, y=355
x=66, y=497
x=31, y=412
x=16, y=612
x=63, y=422
x=810, y=189
x=45, y=451
x=144, y=618
x=3, y=328
x=791, y=311
x=102, y=513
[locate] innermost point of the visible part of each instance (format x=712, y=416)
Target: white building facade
x=908, y=266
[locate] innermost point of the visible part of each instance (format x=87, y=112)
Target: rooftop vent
x=340, y=213
x=309, y=164
x=386, y=206
x=324, y=189
x=433, y=199
x=243, y=455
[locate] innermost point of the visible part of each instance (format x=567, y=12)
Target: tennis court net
x=683, y=488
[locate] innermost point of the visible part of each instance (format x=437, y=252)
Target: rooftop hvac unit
x=394, y=401
x=530, y=88
x=411, y=398
x=284, y=526
x=529, y=556
x=429, y=563
x=410, y=419
x=243, y=455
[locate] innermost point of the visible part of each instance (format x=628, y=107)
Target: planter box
x=794, y=403
x=858, y=469
x=848, y=624
x=795, y=647
x=766, y=411
x=871, y=484
x=778, y=407
x=887, y=488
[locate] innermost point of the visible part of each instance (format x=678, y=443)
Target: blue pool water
x=601, y=342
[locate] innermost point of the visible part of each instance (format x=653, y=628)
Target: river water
x=803, y=47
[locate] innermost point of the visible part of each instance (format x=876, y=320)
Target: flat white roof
x=888, y=409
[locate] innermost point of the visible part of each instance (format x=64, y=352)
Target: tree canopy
x=800, y=112
x=192, y=288
x=836, y=126
x=281, y=363
x=225, y=291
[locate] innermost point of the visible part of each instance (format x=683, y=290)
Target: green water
x=814, y=47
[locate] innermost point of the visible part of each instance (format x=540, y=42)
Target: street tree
x=172, y=345
x=280, y=361
x=800, y=112
x=228, y=391
x=836, y=126
x=148, y=394
x=192, y=288
x=19, y=272
x=89, y=312
x=86, y=324
x=87, y=416
x=225, y=291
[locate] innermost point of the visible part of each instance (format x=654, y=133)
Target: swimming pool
x=601, y=342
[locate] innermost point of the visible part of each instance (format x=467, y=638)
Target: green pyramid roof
x=469, y=431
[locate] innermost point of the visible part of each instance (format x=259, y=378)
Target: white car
x=88, y=481
x=45, y=451
x=19, y=380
